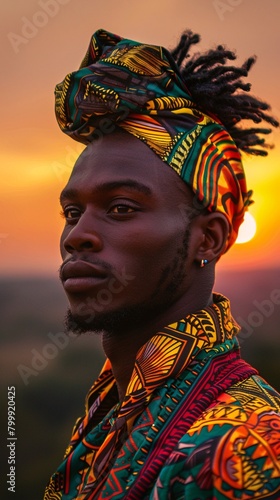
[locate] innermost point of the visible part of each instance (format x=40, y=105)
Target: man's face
x=124, y=244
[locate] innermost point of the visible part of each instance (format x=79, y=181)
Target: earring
x=203, y=262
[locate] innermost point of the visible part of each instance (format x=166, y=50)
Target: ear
x=211, y=231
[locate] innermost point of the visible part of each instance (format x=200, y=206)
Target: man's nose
x=83, y=236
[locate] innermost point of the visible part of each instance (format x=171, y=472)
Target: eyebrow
x=70, y=193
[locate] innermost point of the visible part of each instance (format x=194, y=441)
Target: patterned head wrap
x=139, y=88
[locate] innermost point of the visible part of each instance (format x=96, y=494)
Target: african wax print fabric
x=139, y=88
x=197, y=422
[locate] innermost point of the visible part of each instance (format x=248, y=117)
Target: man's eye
x=71, y=213
x=122, y=209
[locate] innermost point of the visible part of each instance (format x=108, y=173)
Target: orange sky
x=45, y=39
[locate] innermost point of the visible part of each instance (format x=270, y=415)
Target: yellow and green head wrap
x=140, y=88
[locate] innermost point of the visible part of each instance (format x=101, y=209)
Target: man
x=153, y=202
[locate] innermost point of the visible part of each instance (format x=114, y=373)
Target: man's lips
x=79, y=276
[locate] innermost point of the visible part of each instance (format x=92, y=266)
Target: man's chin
x=112, y=322
x=77, y=324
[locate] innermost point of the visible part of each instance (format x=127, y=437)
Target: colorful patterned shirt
x=197, y=423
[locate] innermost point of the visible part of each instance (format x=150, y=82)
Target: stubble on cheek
x=174, y=273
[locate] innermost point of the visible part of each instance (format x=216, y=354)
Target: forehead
x=121, y=157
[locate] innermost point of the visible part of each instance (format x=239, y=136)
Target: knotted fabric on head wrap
x=139, y=88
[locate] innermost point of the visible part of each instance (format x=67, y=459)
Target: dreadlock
x=217, y=88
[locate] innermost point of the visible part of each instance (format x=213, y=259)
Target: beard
x=120, y=320
x=113, y=322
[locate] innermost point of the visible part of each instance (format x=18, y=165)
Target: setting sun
x=247, y=229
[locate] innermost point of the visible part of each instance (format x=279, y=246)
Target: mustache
x=96, y=262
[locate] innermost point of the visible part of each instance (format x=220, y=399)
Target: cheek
x=153, y=260
x=153, y=243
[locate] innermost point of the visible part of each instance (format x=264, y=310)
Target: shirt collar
x=167, y=354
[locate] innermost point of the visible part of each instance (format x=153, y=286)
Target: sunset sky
x=45, y=39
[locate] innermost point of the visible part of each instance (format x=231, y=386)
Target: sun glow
x=247, y=229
